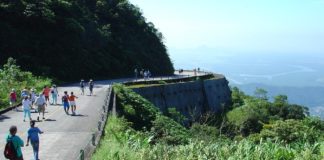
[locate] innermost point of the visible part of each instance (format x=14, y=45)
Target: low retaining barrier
x=89, y=148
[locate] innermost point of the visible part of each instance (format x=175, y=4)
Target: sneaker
x=24, y=121
x=37, y=118
x=43, y=117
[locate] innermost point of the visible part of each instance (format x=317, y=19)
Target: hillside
x=73, y=39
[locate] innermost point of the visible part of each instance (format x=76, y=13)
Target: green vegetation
x=73, y=39
x=11, y=76
x=252, y=128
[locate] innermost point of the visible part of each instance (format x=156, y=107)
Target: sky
x=285, y=26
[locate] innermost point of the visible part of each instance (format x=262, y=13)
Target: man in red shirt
x=46, y=92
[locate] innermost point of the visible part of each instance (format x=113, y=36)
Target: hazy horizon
x=250, y=25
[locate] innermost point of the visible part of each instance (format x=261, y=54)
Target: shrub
x=135, y=108
x=168, y=131
x=11, y=76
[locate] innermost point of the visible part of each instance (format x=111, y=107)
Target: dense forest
x=253, y=127
x=72, y=39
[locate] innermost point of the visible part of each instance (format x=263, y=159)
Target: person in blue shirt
x=17, y=142
x=33, y=138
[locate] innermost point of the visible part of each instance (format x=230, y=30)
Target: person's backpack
x=65, y=98
x=10, y=150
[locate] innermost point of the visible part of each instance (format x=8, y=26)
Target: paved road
x=64, y=135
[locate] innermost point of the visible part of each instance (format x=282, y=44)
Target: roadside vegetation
x=12, y=77
x=252, y=128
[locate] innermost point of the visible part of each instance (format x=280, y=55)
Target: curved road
x=64, y=135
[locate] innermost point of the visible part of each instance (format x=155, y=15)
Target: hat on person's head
x=90, y=79
x=24, y=89
x=82, y=80
x=13, y=89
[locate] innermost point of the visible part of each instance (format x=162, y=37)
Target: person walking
x=41, y=103
x=33, y=137
x=24, y=93
x=46, y=92
x=54, y=93
x=65, y=102
x=72, y=98
x=32, y=96
x=13, y=98
x=17, y=143
x=26, y=106
x=91, y=84
x=82, y=85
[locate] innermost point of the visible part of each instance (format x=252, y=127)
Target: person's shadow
x=3, y=117
x=79, y=115
x=50, y=120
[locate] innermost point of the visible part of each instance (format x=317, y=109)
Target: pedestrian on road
x=26, y=106
x=46, y=92
x=32, y=96
x=82, y=85
x=65, y=102
x=54, y=93
x=13, y=98
x=91, y=84
x=72, y=98
x=34, y=138
x=41, y=103
x=16, y=141
x=24, y=93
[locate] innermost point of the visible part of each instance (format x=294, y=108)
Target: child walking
x=34, y=138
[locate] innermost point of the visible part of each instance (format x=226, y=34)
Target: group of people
x=30, y=99
x=146, y=74
x=83, y=85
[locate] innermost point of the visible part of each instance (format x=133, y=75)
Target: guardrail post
x=99, y=125
x=104, y=108
x=93, y=139
x=102, y=117
x=81, y=154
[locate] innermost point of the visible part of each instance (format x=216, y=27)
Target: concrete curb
x=9, y=109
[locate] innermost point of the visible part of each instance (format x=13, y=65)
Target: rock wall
x=190, y=98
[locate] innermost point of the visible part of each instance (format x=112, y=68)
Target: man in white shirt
x=40, y=103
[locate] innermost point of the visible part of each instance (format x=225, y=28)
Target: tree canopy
x=73, y=39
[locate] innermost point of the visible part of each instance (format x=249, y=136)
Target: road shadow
x=91, y=95
x=50, y=120
x=79, y=115
x=3, y=117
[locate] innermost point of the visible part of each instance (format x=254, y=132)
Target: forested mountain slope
x=72, y=39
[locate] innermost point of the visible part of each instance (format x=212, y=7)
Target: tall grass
x=122, y=142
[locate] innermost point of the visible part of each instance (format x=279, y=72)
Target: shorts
x=72, y=103
x=46, y=97
x=41, y=108
x=66, y=105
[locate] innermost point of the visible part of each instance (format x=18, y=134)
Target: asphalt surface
x=64, y=135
